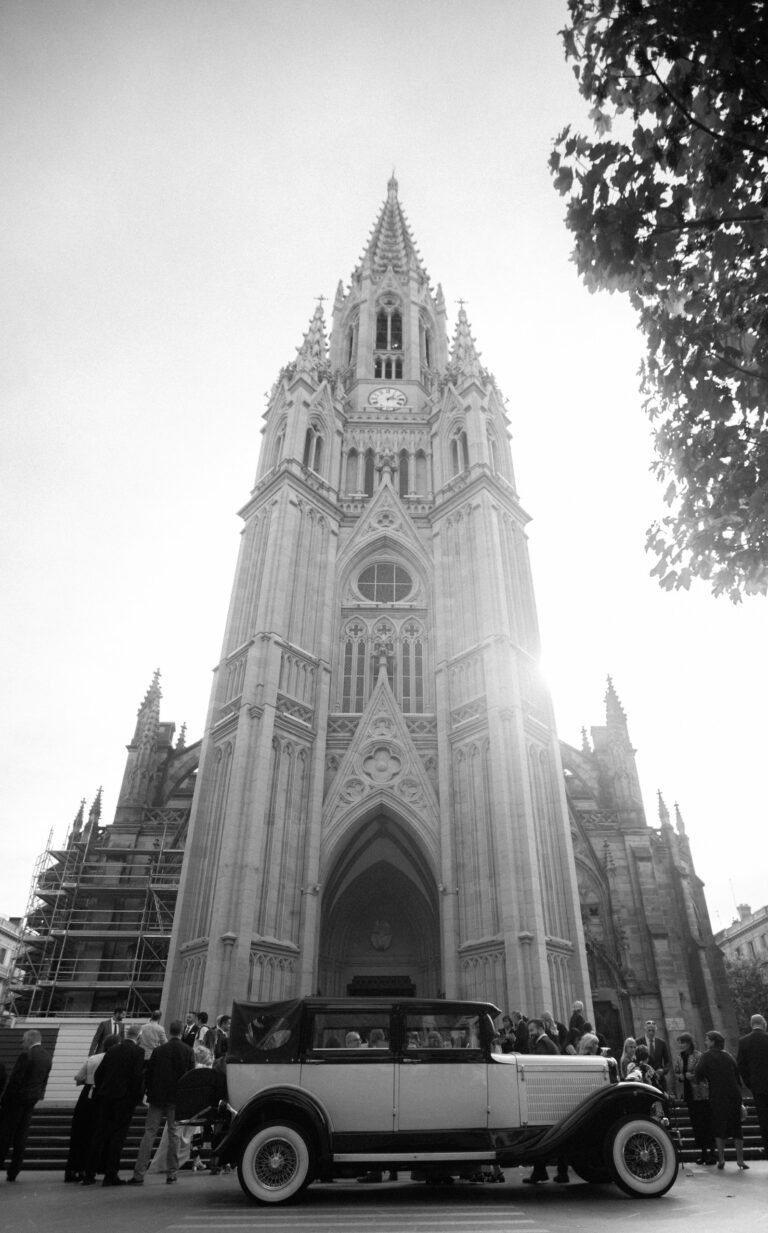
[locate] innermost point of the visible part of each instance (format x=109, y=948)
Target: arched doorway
x=379, y=929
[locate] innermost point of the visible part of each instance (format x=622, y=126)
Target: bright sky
x=181, y=179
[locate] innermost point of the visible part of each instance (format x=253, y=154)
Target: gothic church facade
x=380, y=805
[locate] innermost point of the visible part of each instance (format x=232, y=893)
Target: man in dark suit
x=165, y=1067
x=117, y=1089
x=520, y=1029
x=191, y=1028
x=752, y=1061
x=26, y=1085
x=218, y=1037
x=108, y=1027
x=539, y=1040
x=659, y=1057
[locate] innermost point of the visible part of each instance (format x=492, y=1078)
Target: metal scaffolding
x=99, y=925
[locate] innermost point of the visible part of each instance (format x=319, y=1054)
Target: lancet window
x=402, y=473
x=368, y=473
x=350, y=340
x=352, y=480
x=420, y=480
x=425, y=343
x=412, y=667
x=459, y=453
x=388, y=350
x=279, y=442
x=355, y=679
x=493, y=453
x=313, y=448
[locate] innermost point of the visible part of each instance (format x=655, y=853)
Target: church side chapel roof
x=391, y=242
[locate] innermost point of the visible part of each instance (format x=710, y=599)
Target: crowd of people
x=519, y=1034
x=130, y=1063
x=126, y=1065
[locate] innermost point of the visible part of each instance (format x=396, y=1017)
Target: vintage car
x=325, y=1088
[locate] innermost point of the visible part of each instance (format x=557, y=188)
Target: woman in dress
x=718, y=1069
x=696, y=1097
x=83, y=1118
x=627, y=1059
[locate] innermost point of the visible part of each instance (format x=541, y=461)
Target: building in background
x=381, y=802
x=10, y=938
x=746, y=938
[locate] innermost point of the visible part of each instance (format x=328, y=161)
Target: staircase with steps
x=753, y=1144
x=48, y=1142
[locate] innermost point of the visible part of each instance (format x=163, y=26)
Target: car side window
x=446, y=1037
x=350, y=1036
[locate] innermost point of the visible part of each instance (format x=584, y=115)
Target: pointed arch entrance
x=380, y=922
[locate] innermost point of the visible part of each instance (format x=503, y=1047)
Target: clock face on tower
x=386, y=397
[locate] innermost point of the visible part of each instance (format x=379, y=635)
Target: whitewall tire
x=642, y=1157
x=276, y=1163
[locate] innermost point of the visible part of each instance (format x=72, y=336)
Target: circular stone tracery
x=384, y=582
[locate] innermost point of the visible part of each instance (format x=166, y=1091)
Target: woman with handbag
x=719, y=1070
x=696, y=1097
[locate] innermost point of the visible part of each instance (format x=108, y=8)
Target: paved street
x=702, y=1200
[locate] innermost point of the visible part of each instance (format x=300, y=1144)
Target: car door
x=349, y=1066
x=442, y=1073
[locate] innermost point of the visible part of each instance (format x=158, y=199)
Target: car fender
x=287, y=1103
x=590, y=1121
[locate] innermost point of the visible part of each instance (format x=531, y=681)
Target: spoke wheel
x=642, y=1156
x=276, y=1164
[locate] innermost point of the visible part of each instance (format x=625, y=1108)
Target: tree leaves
x=748, y=983
x=675, y=214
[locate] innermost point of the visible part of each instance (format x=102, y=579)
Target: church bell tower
x=379, y=805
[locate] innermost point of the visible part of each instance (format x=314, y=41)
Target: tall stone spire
x=77, y=825
x=615, y=715
x=140, y=764
x=391, y=242
x=148, y=716
x=465, y=358
x=617, y=757
x=312, y=355
x=663, y=811
x=679, y=820
x=94, y=816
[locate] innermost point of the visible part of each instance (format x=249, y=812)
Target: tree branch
x=729, y=141
x=747, y=372
x=723, y=220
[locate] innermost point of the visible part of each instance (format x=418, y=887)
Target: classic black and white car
x=325, y=1088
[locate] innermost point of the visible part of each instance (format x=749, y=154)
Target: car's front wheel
x=642, y=1157
x=276, y=1163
